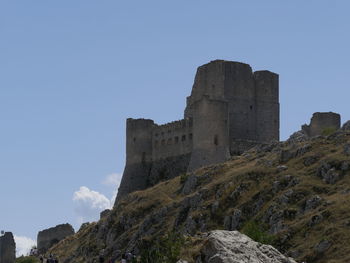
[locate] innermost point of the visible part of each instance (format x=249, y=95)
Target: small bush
x=183, y=178
x=27, y=260
x=257, y=233
x=167, y=249
x=328, y=131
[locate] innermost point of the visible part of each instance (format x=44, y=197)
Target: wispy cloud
x=113, y=180
x=89, y=203
x=23, y=245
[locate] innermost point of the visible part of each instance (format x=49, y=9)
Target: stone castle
x=230, y=109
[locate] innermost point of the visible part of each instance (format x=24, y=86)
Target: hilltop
x=293, y=195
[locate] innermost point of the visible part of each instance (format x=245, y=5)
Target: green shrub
x=27, y=260
x=165, y=250
x=256, y=232
x=328, y=131
x=183, y=178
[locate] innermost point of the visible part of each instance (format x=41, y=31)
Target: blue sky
x=71, y=72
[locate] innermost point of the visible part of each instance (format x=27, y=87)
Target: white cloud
x=113, y=180
x=89, y=203
x=23, y=245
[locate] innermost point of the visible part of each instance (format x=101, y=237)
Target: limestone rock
x=49, y=237
x=346, y=126
x=233, y=247
x=190, y=184
x=296, y=137
x=312, y=203
x=322, y=246
x=105, y=213
x=281, y=168
x=7, y=248
x=347, y=148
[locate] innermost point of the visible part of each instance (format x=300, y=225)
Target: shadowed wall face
x=7, y=248
x=211, y=140
x=49, y=237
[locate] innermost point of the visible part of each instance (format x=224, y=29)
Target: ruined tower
x=322, y=123
x=230, y=109
x=7, y=248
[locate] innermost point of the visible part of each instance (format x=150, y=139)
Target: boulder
x=232, y=247
x=346, y=126
x=299, y=136
x=49, y=237
x=7, y=248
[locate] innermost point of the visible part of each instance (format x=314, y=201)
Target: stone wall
x=49, y=237
x=7, y=248
x=211, y=129
x=230, y=109
x=322, y=123
x=172, y=139
x=267, y=106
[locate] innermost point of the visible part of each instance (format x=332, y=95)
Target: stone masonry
x=49, y=237
x=230, y=109
x=321, y=122
x=7, y=248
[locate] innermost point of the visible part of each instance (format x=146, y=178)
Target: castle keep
x=230, y=109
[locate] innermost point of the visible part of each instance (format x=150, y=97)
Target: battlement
x=228, y=106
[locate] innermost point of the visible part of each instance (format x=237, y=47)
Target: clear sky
x=71, y=72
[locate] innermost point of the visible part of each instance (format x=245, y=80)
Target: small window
x=162, y=133
x=251, y=107
x=143, y=157
x=190, y=136
x=169, y=131
x=134, y=139
x=156, y=134
x=170, y=141
x=163, y=142
x=216, y=140
x=183, y=138
x=176, y=139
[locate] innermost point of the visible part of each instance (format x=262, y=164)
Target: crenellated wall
x=172, y=139
x=230, y=109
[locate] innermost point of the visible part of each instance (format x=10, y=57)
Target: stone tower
x=7, y=248
x=230, y=109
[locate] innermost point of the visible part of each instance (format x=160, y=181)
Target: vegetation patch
x=256, y=232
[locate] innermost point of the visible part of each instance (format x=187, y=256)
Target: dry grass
x=258, y=172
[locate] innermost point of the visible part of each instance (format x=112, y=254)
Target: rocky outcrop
x=7, y=248
x=291, y=194
x=232, y=247
x=49, y=237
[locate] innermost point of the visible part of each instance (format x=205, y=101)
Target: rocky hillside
x=294, y=195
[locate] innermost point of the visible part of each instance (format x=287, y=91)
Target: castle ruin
x=230, y=109
x=322, y=123
x=51, y=236
x=7, y=248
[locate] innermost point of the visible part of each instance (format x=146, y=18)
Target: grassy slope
x=255, y=170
